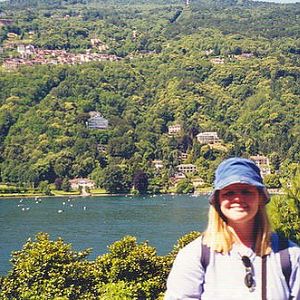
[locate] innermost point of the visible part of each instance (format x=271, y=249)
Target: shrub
x=46, y=269
x=284, y=211
x=138, y=265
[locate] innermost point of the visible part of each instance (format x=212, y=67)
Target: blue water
x=95, y=222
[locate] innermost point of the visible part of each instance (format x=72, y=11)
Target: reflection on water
x=96, y=222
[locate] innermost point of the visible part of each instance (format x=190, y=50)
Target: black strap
x=205, y=256
x=264, y=278
x=286, y=266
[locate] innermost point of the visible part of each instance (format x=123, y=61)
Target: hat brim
x=266, y=196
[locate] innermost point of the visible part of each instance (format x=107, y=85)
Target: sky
x=276, y=1
x=280, y=1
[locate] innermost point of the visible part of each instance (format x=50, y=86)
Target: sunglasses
x=249, y=280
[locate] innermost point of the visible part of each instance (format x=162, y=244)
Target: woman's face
x=239, y=202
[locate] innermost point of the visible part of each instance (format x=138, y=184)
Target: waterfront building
x=76, y=183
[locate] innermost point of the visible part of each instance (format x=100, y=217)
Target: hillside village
x=26, y=54
x=29, y=56
x=182, y=170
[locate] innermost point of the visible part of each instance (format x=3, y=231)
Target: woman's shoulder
x=193, y=248
x=280, y=243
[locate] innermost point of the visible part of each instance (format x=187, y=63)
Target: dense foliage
x=285, y=210
x=169, y=74
x=46, y=269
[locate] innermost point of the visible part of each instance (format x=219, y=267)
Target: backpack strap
x=286, y=266
x=205, y=256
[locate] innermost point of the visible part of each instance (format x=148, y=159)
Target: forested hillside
x=227, y=66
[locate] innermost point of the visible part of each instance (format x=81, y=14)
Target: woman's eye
x=246, y=192
x=229, y=193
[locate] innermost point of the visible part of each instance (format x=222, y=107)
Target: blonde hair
x=220, y=237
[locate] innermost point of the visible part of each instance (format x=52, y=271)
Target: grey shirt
x=224, y=277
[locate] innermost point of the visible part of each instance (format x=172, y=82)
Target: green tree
x=285, y=210
x=114, y=180
x=44, y=187
x=272, y=181
x=66, y=186
x=185, y=186
x=140, y=182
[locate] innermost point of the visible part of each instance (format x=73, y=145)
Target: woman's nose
x=237, y=196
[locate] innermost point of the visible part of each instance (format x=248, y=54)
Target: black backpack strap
x=205, y=256
x=286, y=266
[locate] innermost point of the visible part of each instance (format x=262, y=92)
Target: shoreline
x=94, y=195
x=195, y=194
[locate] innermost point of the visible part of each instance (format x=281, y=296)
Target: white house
x=186, y=168
x=263, y=163
x=96, y=121
x=208, y=137
x=173, y=129
x=76, y=183
x=260, y=160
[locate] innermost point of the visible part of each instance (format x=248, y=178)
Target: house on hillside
x=186, y=168
x=208, y=137
x=96, y=121
x=25, y=51
x=263, y=163
x=97, y=43
x=158, y=164
x=177, y=177
x=183, y=156
x=244, y=55
x=102, y=148
x=217, y=61
x=174, y=129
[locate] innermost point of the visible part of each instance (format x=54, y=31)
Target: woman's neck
x=244, y=234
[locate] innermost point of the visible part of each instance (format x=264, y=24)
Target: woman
x=245, y=261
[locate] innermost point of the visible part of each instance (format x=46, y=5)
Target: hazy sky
x=280, y=1
x=277, y=1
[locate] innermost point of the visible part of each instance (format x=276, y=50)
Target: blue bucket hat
x=238, y=170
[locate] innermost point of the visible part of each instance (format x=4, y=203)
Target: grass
x=21, y=194
x=63, y=193
x=98, y=191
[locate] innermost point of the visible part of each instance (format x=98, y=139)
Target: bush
x=46, y=269
x=138, y=265
x=284, y=211
x=183, y=241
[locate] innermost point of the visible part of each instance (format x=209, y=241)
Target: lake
x=95, y=222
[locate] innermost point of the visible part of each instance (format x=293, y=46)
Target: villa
x=96, y=121
x=208, y=137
